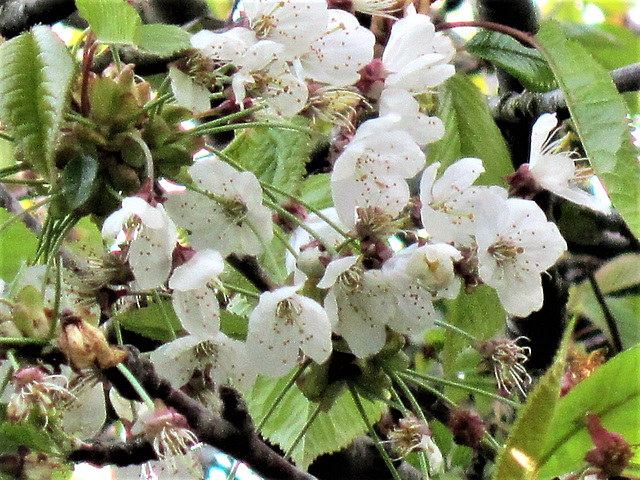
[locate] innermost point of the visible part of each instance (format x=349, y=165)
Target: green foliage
x=162, y=39
x=469, y=131
x=479, y=314
x=599, y=114
x=233, y=325
x=316, y=191
x=112, y=21
x=525, y=445
x=619, y=281
x=331, y=430
x=156, y=321
x=613, y=393
x=276, y=156
x=525, y=64
x=17, y=245
x=78, y=181
x=34, y=81
x=25, y=433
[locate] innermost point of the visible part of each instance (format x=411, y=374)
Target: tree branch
x=232, y=433
x=516, y=107
x=16, y=16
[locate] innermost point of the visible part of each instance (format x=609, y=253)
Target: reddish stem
x=523, y=37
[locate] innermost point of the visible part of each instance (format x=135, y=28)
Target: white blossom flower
x=336, y=57
x=401, y=104
x=233, y=220
x=227, y=358
x=415, y=56
x=193, y=300
x=283, y=324
x=293, y=23
x=153, y=237
x=556, y=170
x=372, y=169
x=358, y=304
x=516, y=244
x=449, y=203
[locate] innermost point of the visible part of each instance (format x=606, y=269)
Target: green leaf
x=525, y=64
x=13, y=436
x=470, y=131
x=613, y=46
x=78, y=179
x=17, y=245
x=479, y=313
x=112, y=21
x=162, y=39
x=621, y=273
x=34, y=80
x=275, y=155
x=151, y=321
x=316, y=191
x=519, y=457
x=600, y=116
x=233, y=325
x=613, y=393
x=331, y=430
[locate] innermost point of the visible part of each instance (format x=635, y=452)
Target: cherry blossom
x=415, y=57
x=233, y=219
x=449, y=203
x=556, y=170
x=152, y=235
x=515, y=244
x=283, y=324
x=336, y=57
x=194, y=301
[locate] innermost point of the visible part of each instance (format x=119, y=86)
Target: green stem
x=423, y=376
x=239, y=126
x=310, y=208
x=224, y=120
x=56, y=301
x=18, y=341
x=142, y=393
x=376, y=440
x=304, y=430
x=282, y=394
x=116, y=57
x=241, y=290
x=282, y=239
x=12, y=359
x=74, y=117
x=6, y=137
x=455, y=329
x=15, y=168
x=24, y=212
x=21, y=181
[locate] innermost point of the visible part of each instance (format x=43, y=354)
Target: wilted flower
x=506, y=358
x=612, y=453
x=414, y=435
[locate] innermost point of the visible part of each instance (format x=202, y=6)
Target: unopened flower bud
x=85, y=345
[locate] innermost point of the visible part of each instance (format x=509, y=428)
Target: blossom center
x=288, y=310
x=504, y=250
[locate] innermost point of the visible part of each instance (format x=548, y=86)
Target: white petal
x=85, y=416
x=203, y=267
x=187, y=93
x=177, y=360
x=539, y=135
x=198, y=311
x=334, y=269
x=410, y=38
